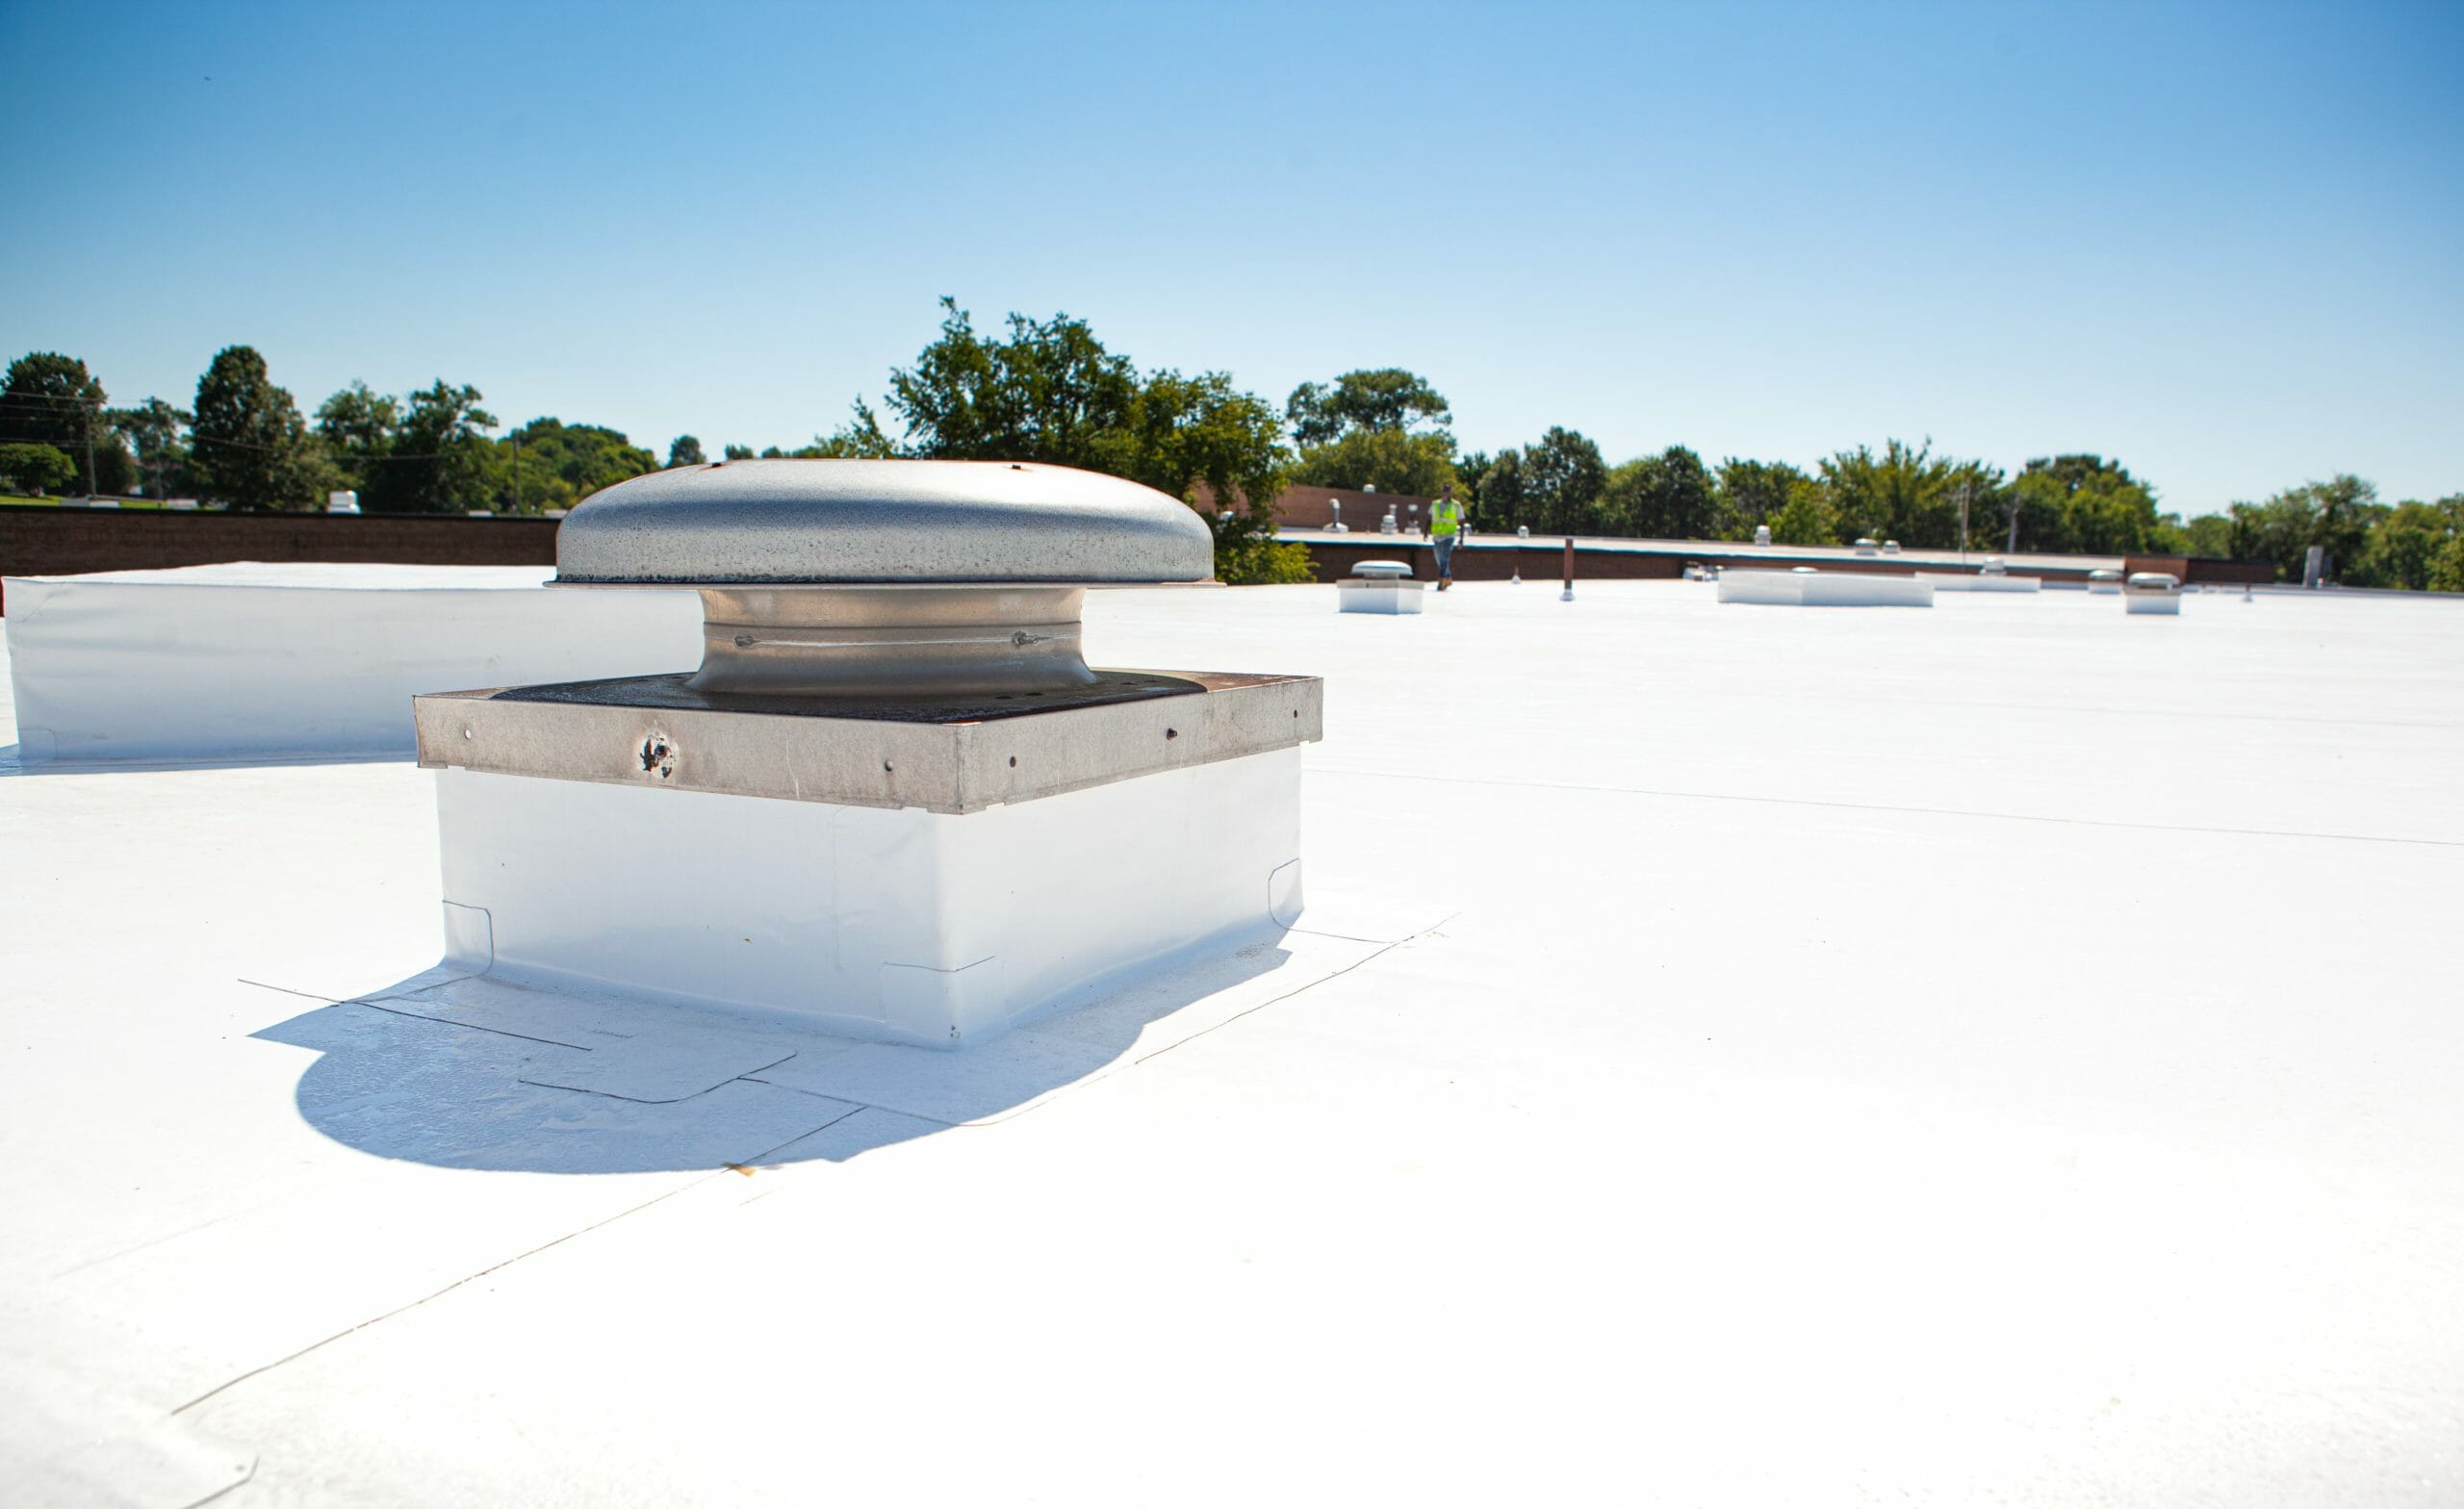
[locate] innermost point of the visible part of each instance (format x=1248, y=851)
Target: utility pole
x=513, y=475
x=92, y=420
x=1964, y=492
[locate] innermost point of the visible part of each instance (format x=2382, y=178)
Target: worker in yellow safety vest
x=1444, y=528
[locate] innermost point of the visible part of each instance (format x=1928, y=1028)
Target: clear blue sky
x=2222, y=243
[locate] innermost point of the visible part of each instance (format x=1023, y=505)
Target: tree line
x=1049, y=391
x=1389, y=429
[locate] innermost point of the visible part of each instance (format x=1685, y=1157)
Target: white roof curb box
x=1991, y=576
x=2152, y=592
x=894, y=801
x=1803, y=586
x=1379, y=587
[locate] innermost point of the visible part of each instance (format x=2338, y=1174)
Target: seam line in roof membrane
x=207, y=1224
x=304, y=995
x=473, y=1027
x=1342, y=938
x=1884, y=807
x=376, y=1002
x=1299, y=990
x=506, y=1263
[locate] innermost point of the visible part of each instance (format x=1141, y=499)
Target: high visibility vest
x=1446, y=517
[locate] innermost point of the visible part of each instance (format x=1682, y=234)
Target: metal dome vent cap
x=904, y=578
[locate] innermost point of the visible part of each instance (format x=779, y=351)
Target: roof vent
x=893, y=802
x=900, y=578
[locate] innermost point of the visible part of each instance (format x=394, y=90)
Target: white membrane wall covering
x=1378, y=595
x=891, y=923
x=1825, y=589
x=303, y=662
x=1947, y=581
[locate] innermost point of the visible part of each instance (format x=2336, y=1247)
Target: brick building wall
x=61, y=542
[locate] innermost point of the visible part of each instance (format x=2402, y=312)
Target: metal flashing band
x=942, y=755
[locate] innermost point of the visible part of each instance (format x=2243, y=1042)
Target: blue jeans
x=1444, y=545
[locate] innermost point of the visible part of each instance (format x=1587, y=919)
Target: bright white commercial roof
x=2004, y=1052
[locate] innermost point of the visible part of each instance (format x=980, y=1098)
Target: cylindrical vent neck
x=891, y=641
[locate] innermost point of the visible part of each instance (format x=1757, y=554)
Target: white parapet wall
x=303, y=662
x=1951, y=581
x=889, y=923
x=1825, y=589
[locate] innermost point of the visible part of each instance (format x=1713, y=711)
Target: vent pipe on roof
x=921, y=813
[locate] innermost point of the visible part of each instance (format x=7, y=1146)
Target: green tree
x=357, y=429
x=2341, y=512
x=1905, y=494
x=252, y=450
x=1049, y=393
x=1562, y=476
x=1751, y=492
x=1620, y=495
x=1497, y=501
x=1389, y=460
x=2447, y=567
x=1807, y=518
x=2086, y=505
x=861, y=439
x=739, y=453
x=2335, y=515
x=559, y=465
x=1667, y=497
x=1220, y=451
x=684, y=451
x=34, y=469
x=2276, y=531
x=1359, y=431
x=1469, y=468
x=442, y=460
x=51, y=400
x=2404, y=546
x=2210, y=535
x=1387, y=399
x=157, y=434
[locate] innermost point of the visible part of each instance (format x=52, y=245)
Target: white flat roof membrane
x=2001, y=1054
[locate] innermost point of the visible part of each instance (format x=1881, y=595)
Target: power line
x=52, y=398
